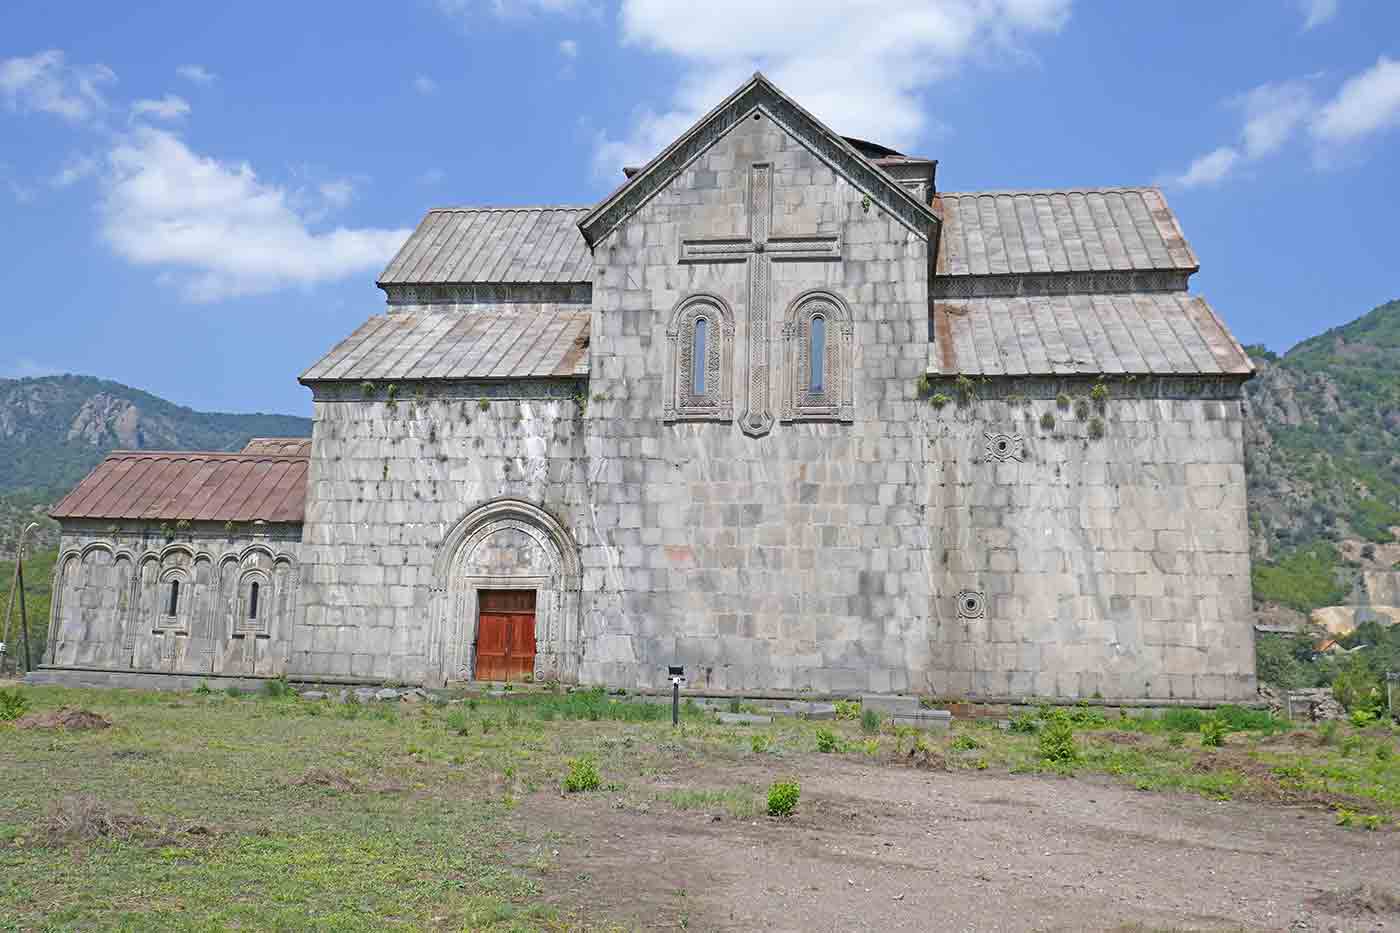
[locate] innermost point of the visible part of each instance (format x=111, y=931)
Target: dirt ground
x=880, y=848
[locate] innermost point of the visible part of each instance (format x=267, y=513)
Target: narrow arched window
x=253, y=601
x=698, y=357
x=817, y=355
x=174, y=607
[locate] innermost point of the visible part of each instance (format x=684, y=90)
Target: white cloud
x=1210, y=168
x=424, y=85
x=1317, y=12
x=860, y=66
x=196, y=73
x=568, y=48
x=337, y=193
x=74, y=170
x=219, y=227
x=1272, y=113
x=169, y=107
x=1366, y=103
x=45, y=83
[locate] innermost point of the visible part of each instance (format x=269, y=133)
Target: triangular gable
x=760, y=94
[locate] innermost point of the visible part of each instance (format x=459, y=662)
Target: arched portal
x=504, y=546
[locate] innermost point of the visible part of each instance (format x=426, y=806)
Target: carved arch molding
x=459, y=574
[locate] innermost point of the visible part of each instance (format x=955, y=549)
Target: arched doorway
x=506, y=596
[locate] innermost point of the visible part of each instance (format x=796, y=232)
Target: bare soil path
x=886, y=849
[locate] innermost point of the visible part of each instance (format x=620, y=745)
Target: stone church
x=778, y=410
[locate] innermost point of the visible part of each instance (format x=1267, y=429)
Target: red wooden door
x=505, y=634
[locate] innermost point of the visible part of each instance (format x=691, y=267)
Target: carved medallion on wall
x=972, y=604
x=1002, y=447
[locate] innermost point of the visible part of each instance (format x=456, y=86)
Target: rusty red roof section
x=193, y=486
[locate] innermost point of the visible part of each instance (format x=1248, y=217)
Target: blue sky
x=196, y=201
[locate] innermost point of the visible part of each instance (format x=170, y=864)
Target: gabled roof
x=194, y=486
x=1076, y=230
x=510, y=341
x=1159, y=333
x=759, y=94
x=470, y=245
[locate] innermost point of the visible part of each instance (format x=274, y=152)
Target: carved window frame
x=179, y=623
x=835, y=401
x=717, y=402
x=261, y=627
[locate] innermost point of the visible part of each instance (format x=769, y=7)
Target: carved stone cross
x=758, y=249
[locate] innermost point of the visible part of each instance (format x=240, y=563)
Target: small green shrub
x=203, y=689
x=847, y=709
x=1099, y=392
x=1024, y=724
x=1096, y=427
x=233, y=692
x=1047, y=422
x=583, y=776
x=782, y=798
x=870, y=722
x=938, y=400
x=827, y=741
x=1056, y=743
x=1176, y=739
x=1062, y=402
x=1213, y=732
x=457, y=722
x=13, y=704
x=759, y=743
x=871, y=747
x=1239, y=719
x=1346, y=817
x=1081, y=408
x=484, y=404
x=1361, y=717
x=965, y=743
x=276, y=688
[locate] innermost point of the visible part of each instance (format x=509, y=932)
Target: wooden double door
x=505, y=634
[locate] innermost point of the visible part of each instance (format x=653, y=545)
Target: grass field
x=203, y=811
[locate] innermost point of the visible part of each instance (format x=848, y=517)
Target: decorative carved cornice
x=760, y=96
x=490, y=293
x=1019, y=285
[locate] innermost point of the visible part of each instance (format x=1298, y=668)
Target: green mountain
x=55, y=429
x=1322, y=449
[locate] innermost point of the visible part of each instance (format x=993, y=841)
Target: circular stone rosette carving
x=972, y=604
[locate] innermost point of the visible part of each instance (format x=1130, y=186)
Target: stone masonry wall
x=389, y=482
x=796, y=560
x=112, y=588
x=1114, y=565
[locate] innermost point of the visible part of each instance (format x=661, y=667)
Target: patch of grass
x=1213, y=732
x=13, y=704
x=965, y=742
x=827, y=742
x=870, y=722
x=739, y=803
x=783, y=797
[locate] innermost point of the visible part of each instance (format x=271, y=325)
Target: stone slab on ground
x=888, y=704
x=928, y=719
x=806, y=709
x=746, y=719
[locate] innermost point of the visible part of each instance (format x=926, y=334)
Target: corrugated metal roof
x=509, y=341
x=198, y=486
x=1088, y=230
x=1160, y=333
x=279, y=446
x=462, y=245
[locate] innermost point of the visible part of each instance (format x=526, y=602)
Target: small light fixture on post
x=677, y=678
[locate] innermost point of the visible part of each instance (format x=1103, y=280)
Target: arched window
x=819, y=339
x=253, y=600
x=699, y=384
x=817, y=354
x=697, y=373
x=173, y=606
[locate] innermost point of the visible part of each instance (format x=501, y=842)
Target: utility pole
x=17, y=586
